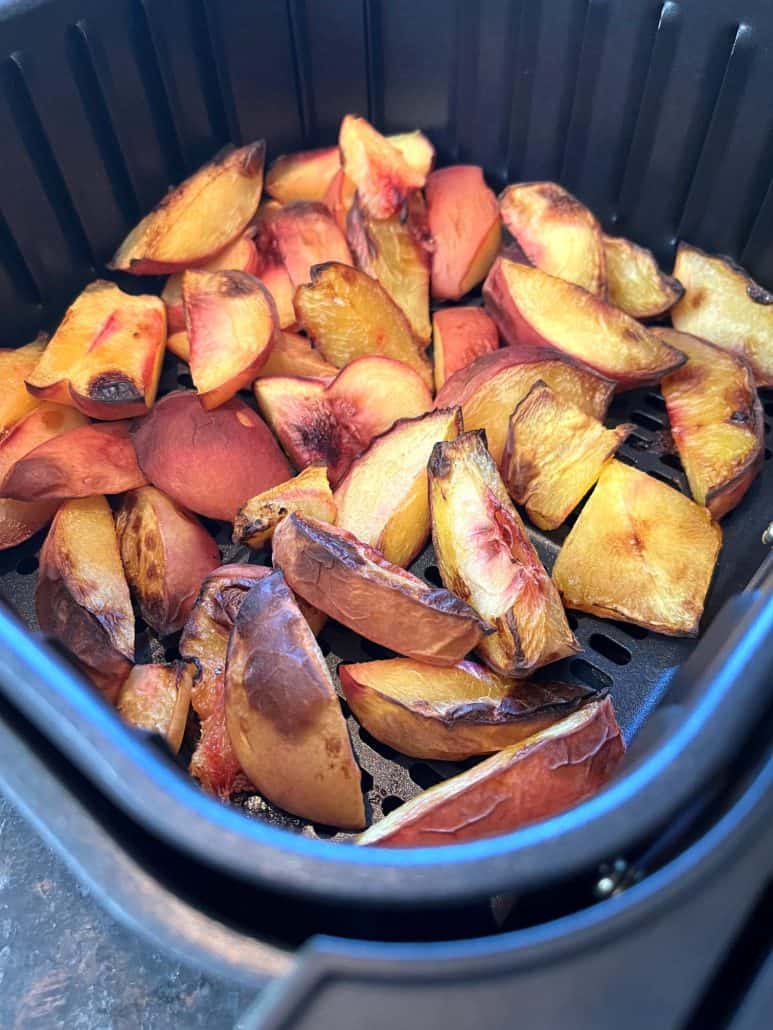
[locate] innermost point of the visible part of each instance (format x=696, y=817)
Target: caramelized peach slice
x=459, y=336
x=231, y=323
x=199, y=218
x=293, y=355
x=532, y=308
x=490, y=387
x=379, y=171
x=348, y=315
x=554, y=455
x=556, y=233
x=82, y=598
x=239, y=256
x=716, y=421
x=308, y=494
x=641, y=552
x=177, y=343
x=485, y=557
x=105, y=357
x=339, y=198
x=416, y=149
x=305, y=175
x=464, y=223
x=283, y=714
x=395, y=520
x=451, y=714
x=271, y=268
x=635, y=283
x=332, y=422
x=157, y=698
x=356, y=585
x=210, y=462
x=307, y=235
x=724, y=305
x=15, y=365
x=166, y=555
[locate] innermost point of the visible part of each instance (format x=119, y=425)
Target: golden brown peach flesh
x=293, y=355
x=537, y=778
x=641, y=552
x=177, y=344
x=239, y=256
x=349, y=315
x=308, y=493
x=231, y=324
x=485, y=557
x=556, y=233
x=724, y=305
x=157, y=698
x=282, y=712
x=716, y=421
x=15, y=365
x=554, y=455
x=332, y=422
x=416, y=149
x=356, y=585
x=105, y=357
x=459, y=336
x=82, y=598
x=304, y=175
x=451, y=714
x=383, y=498
x=464, y=222
x=532, y=308
x=166, y=555
x=199, y=218
x=379, y=171
x=307, y=235
x=635, y=283
x=210, y=462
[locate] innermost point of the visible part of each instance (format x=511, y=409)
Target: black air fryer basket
x=650, y=903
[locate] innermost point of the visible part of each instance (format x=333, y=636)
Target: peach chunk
x=157, y=698
x=635, y=283
x=239, y=256
x=210, y=462
x=339, y=198
x=105, y=357
x=304, y=175
x=82, y=598
x=308, y=493
x=379, y=170
x=307, y=235
x=395, y=520
x=464, y=223
x=271, y=268
x=485, y=557
x=15, y=365
x=459, y=336
x=199, y=218
x=293, y=355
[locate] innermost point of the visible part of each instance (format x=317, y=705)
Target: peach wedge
x=271, y=268
x=156, y=698
x=239, y=256
x=105, y=357
x=395, y=520
x=451, y=714
x=307, y=235
x=459, y=336
x=304, y=175
x=339, y=198
x=534, y=779
x=15, y=365
x=641, y=552
x=716, y=421
x=379, y=170
x=293, y=355
x=199, y=218
x=554, y=455
x=308, y=494
x=635, y=284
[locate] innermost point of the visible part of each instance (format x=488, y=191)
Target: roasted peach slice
x=635, y=283
x=355, y=584
x=157, y=698
x=282, y=712
x=490, y=388
x=459, y=336
x=15, y=365
x=485, y=557
x=332, y=422
x=308, y=493
x=378, y=169
x=396, y=252
x=19, y=520
x=416, y=149
x=716, y=421
x=532, y=308
x=177, y=344
x=534, y=779
x=724, y=305
x=451, y=714
x=199, y=218
x=210, y=462
x=556, y=233
x=304, y=175
x=554, y=455
x=105, y=357
x=339, y=198
x=293, y=355
x=231, y=323
x=271, y=268
x=395, y=520
x=464, y=223
x=239, y=256
x=82, y=598
x=641, y=552
x=348, y=315
x=307, y=235
x=166, y=555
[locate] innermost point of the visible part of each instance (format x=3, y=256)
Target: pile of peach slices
x=317, y=300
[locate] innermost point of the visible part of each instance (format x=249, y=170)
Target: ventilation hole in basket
x=589, y=675
x=664, y=478
x=638, y=442
x=373, y=650
x=424, y=775
x=27, y=565
x=432, y=574
x=654, y=400
x=391, y=803
x=171, y=653
x=609, y=648
x=647, y=421
x=324, y=832
x=636, y=632
x=185, y=380
x=381, y=749
x=366, y=780
x=672, y=461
